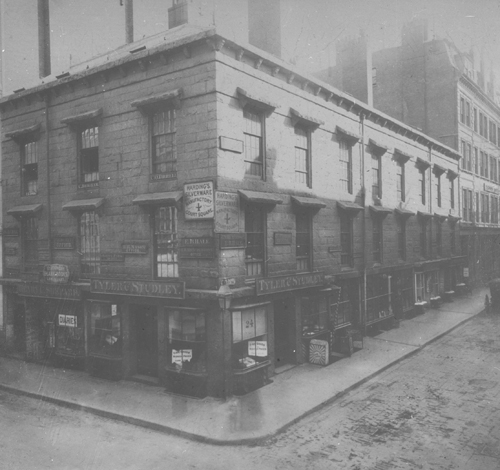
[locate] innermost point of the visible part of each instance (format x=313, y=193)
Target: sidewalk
x=240, y=420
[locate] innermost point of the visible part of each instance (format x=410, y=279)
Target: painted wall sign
x=63, y=243
x=10, y=232
x=227, y=212
x=170, y=290
x=135, y=248
x=199, y=247
x=10, y=251
x=94, y=184
x=232, y=145
x=285, y=283
x=56, y=273
x=171, y=175
x=491, y=188
x=53, y=291
x=282, y=238
x=112, y=257
x=67, y=320
x=199, y=200
x=232, y=240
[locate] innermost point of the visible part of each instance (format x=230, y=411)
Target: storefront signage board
x=197, y=247
x=232, y=240
x=10, y=232
x=116, y=257
x=53, y=291
x=272, y=285
x=466, y=272
x=491, y=189
x=282, y=238
x=199, y=201
x=227, y=212
x=68, y=320
x=135, y=248
x=63, y=243
x=168, y=290
x=56, y=273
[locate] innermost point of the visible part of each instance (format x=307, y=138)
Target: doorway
x=146, y=327
x=284, y=332
x=19, y=329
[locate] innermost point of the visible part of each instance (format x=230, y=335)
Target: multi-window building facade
x=136, y=188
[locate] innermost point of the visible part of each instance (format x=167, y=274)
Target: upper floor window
x=467, y=113
x=29, y=227
x=302, y=156
x=439, y=237
x=477, y=217
x=166, y=261
x=464, y=154
x=303, y=242
x=422, y=185
x=400, y=180
x=90, y=244
x=346, y=239
x=423, y=238
x=465, y=206
x=376, y=176
x=401, y=238
x=377, y=232
x=493, y=168
x=469, y=157
x=255, y=217
x=345, y=160
x=476, y=160
x=493, y=132
x=475, y=119
x=89, y=154
x=462, y=110
x=438, y=190
x=163, y=144
x=29, y=168
x=254, y=142
x=452, y=193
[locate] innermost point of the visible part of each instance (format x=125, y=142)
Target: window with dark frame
x=29, y=168
x=250, y=344
x=302, y=156
x=467, y=113
x=475, y=119
x=473, y=218
x=255, y=217
x=165, y=241
x=303, y=242
x=89, y=154
x=438, y=190
x=424, y=251
x=400, y=180
x=422, y=185
x=30, y=242
x=469, y=157
x=452, y=193
x=254, y=141
x=90, y=244
x=465, y=206
x=376, y=176
x=163, y=144
x=476, y=160
x=401, y=224
x=453, y=239
x=377, y=234
x=346, y=239
x=345, y=160
x=105, y=338
x=462, y=110
x=464, y=155
x=439, y=237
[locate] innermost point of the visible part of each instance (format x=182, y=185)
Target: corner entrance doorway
x=284, y=332
x=146, y=327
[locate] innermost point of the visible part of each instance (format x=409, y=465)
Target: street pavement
x=438, y=409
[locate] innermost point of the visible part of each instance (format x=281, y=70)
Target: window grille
x=400, y=181
x=30, y=168
x=254, y=149
x=345, y=160
x=163, y=144
x=90, y=247
x=89, y=155
x=255, y=248
x=165, y=242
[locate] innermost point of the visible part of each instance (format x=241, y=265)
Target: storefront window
x=69, y=332
x=105, y=329
x=187, y=350
x=377, y=302
x=406, y=286
x=347, y=303
x=249, y=337
x=314, y=315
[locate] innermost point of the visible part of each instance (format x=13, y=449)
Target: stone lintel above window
x=84, y=205
x=351, y=137
x=440, y=217
x=25, y=211
x=451, y=175
x=377, y=148
x=257, y=197
x=24, y=134
x=170, y=198
x=152, y=103
x=350, y=208
x=438, y=170
x=380, y=211
x=301, y=119
x=400, y=156
x=80, y=120
x=403, y=213
x=249, y=99
x=310, y=203
x=421, y=164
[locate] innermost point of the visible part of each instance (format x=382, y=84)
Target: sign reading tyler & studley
x=197, y=247
x=284, y=283
x=170, y=290
x=55, y=291
x=199, y=200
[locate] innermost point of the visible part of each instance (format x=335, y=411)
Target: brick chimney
x=264, y=25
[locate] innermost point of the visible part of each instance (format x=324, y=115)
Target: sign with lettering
x=491, y=188
x=171, y=175
x=107, y=258
x=199, y=247
x=285, y=283
x=181, y=355
x=199, y=200
x=168, y=290
x=53, y=291
x=232, y=240
x=56, y=273
x=63, y=243
x=466, y=272
x=257, y=348
x=10, y=232
x=43, y=255
x=227, y=212
x=282, y=238
x=135, y=248
x=68, y=320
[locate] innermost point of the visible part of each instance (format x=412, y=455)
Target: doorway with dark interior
x=284, y=334
x=146, y=327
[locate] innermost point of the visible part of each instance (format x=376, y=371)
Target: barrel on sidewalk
x=495, y=294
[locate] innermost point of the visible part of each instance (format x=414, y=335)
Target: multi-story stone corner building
x=430, y=85
x=194, y=212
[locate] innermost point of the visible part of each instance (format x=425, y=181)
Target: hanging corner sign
x=199, y=200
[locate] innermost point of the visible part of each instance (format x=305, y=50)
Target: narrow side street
x=439, y=409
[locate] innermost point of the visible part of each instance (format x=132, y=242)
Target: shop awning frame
x=25, y=211
x=301, y=202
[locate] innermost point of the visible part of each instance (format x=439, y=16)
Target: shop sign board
x=10, y=232
x=199, y=200
x=491, y=188
x=54, y=291
x=271, y=285
x=197, y=247
x=282, y=238
x=63, y=243
x=168, y=290
x=68, y=320
x=232, y=240
x=135, y=248
x=56, y=273
x=227, y=212
x=111, y=257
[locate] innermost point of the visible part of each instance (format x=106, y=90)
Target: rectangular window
x=377, y=239
x=166, y=256
x=422, y=186
x=493, y=168
x=469, y=157
x=163, y=144
x=453, y=240
x=465, y=205
x=30, y=242
x=423, y=238
x=29, y=168
x=400, y=180
x=475, y=119
x=345, y=160
x=438, y=190
x=90, y=244
x=439, y=238
x=477, y=216
x=376, y=177
x=487, y=209
x=186, y=348
x=105, y=329
x=452, y=193
x=314, y=315
x=485, y=127
x=302, y=156
x=467, y=113
x=402, y=239
x=303, y=249
x=464, y=155
x=462, y=110
x=476, y=160
x=486, y=165
x=498, y=136
x=255, y=249
x=346, y=240
x=89, y=155
x=254, y=142
x=249, y=337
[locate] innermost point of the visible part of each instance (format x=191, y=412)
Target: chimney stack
x=129, y=21
x=43, y=38
x=264, y=25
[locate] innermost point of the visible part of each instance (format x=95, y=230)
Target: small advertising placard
x=56, y=273
x=67, y=320
x=181, y=355
x=197, y=247
x=199, y=200
x=227, y=212
x=466, y=272
x=257, y=348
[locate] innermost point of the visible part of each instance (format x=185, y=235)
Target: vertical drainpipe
x=129, y=21
x=363, y=203
x=47, y=154
x=43, y=38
